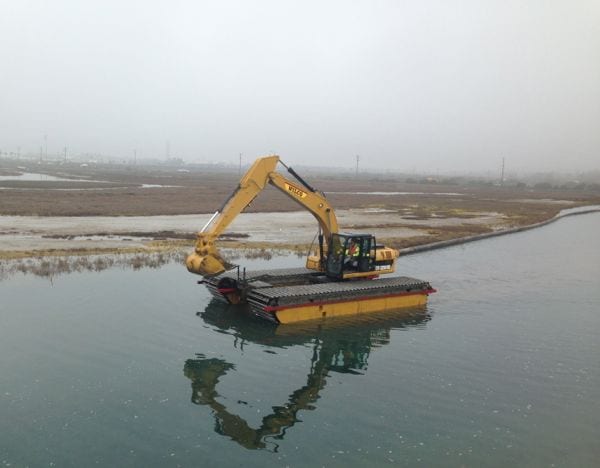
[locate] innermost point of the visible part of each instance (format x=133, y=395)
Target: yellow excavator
x=321, y=289
x=339, y=256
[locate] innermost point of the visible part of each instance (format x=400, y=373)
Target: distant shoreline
x=464, y=240
x=147, y=242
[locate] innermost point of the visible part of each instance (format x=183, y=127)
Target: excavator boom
x=207, y=261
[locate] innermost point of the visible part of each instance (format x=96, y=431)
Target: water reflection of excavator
x=339, y=274
x=342, y=345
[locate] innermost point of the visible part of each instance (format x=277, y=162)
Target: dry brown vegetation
x=122, y=194
x=49, y=266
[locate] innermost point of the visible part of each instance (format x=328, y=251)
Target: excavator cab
x=350, y=255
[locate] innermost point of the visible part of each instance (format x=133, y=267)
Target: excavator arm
x=206, y=259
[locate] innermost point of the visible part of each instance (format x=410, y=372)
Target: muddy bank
x=35, y=233
x=32, y=236
x=501, y=232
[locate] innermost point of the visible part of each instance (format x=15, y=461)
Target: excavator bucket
x=207, y=265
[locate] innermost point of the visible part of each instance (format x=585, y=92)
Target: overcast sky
x=415, y=85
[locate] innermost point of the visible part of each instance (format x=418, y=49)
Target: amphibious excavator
x=341, y=276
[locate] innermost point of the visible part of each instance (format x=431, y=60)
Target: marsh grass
x=204, y=192
x=52, y=266
x=49, y=267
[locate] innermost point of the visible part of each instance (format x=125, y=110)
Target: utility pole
x=65, y=154
x=502, y=178
x=168, y=149
x=46, y=147
x=357, y=159
x=240, y=168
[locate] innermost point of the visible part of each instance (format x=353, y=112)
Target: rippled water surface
x=140, y=368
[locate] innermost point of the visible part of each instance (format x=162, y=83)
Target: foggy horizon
x=409, y=86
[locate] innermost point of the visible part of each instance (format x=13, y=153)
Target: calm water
x=139, y=368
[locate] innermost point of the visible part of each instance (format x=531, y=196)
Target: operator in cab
x=352, y=254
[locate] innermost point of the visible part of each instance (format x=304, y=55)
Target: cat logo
x=296, y=191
